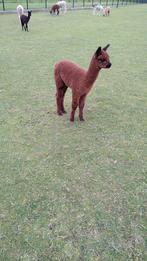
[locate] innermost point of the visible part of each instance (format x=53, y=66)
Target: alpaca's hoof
x=59, y=113
x=82, y=119
x=64, y=111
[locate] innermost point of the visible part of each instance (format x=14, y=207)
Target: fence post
x=27, y=4
x=46, y=4
x=73, y=4
x=3, y=5
x=117, y=3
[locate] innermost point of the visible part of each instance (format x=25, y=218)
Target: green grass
x=73, y=191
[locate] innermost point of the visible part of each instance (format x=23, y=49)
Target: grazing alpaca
x=98, y=9
x=55, y=9
x=68, y=74
x=20, y=10
x=63, y=5
x=106, y=11
x=24, y=20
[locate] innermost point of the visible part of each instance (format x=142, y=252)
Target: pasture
x=73, y=191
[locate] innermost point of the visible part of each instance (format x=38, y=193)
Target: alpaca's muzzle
x=108, y=65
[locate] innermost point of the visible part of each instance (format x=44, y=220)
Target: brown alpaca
x=55, y=9
x=68, y=74
x=106, y=11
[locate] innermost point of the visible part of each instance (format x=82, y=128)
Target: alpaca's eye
x=101, y=60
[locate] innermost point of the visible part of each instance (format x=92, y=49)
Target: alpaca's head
x=102, y=58
x=29, y=13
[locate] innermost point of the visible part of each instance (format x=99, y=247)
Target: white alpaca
x=20, y=10
x=98, y=9
x=63, y=6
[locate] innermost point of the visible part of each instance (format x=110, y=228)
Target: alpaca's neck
x=92, y=72
x=29, y=17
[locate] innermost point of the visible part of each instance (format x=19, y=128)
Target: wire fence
x=8, y=5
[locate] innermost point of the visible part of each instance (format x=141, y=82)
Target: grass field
x=73, y=191
x=41, y=4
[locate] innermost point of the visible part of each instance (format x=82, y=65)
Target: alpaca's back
x=24, y=19
x=55, y=9
x=67, y=71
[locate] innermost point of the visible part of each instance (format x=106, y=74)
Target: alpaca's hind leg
x=75, y=102
x=60, y=92
x=64, y=88
x=81, y=107
x=59, y=99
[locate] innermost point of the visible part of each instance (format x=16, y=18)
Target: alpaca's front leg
x=22, y=25
x=74, y=107
x=81, y=107
x=27, y=27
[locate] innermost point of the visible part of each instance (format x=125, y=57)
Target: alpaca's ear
x=106, y=47
x=98, y=51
